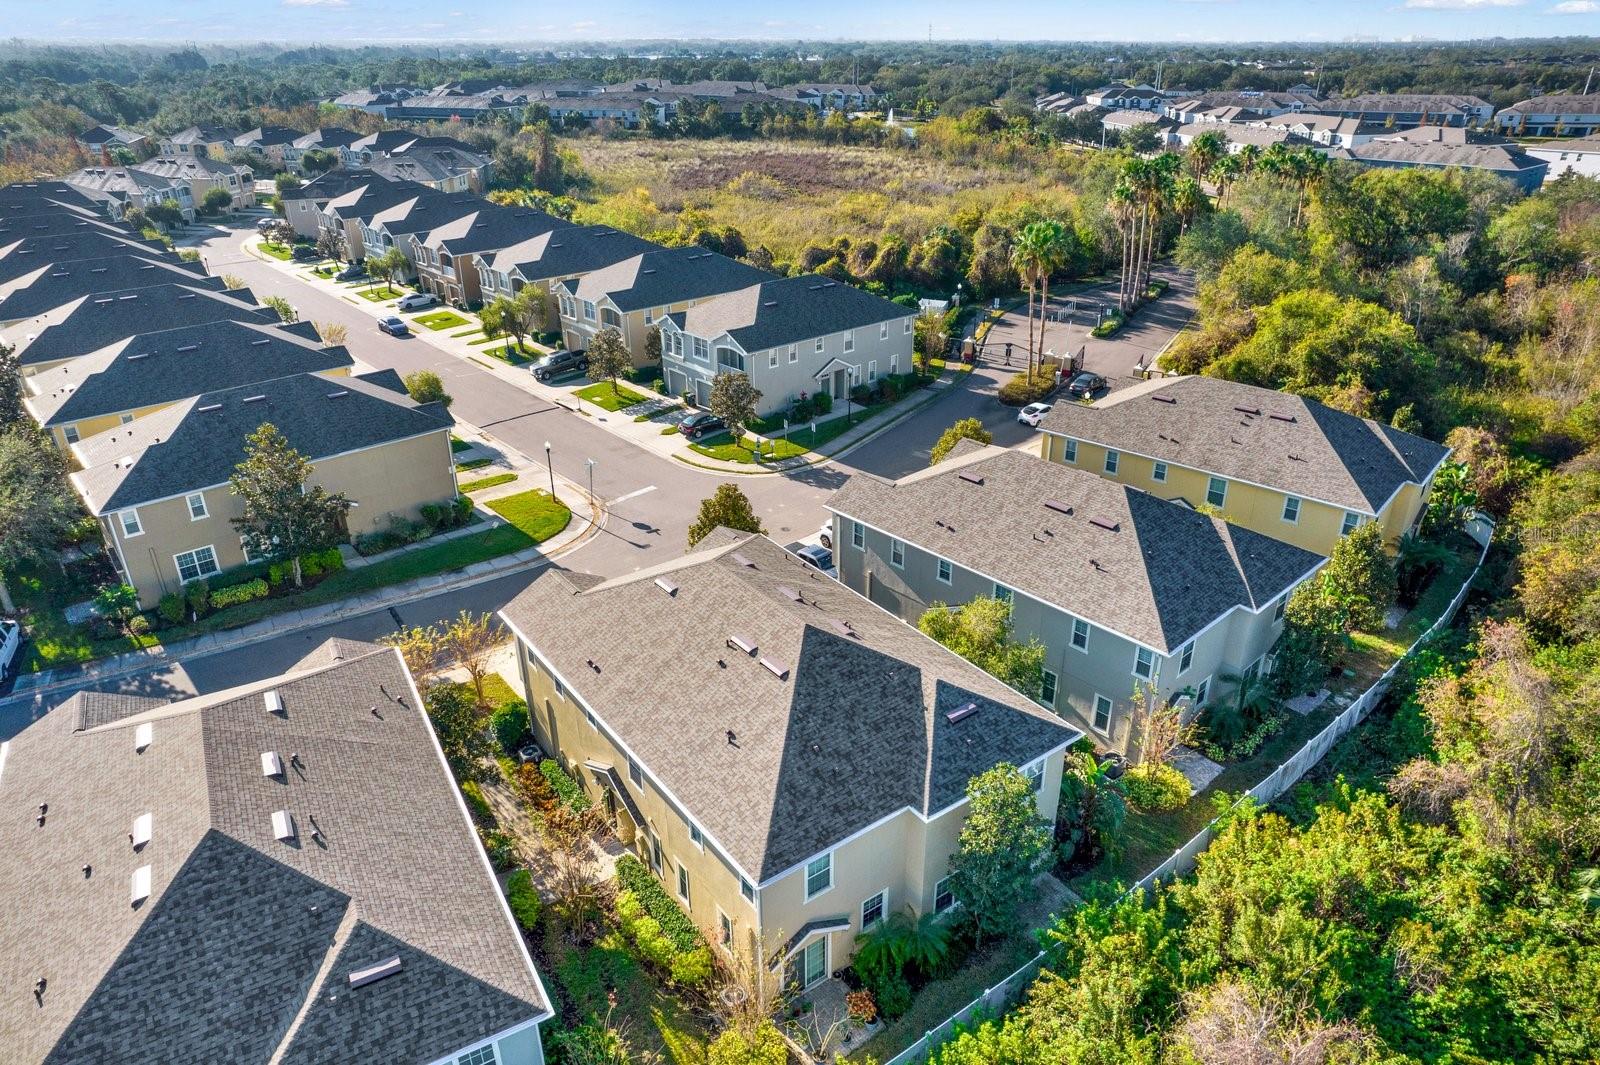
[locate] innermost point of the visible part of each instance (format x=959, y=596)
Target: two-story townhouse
x=109, y=138
x=24, y=256
x=791, y=336
x=1122, y=588
x=159, y=484
x=56, y=283
x=270, y=141
x=1275, y=462
x=330, y=139
x=634, y=295
x=1558, y=115
x=303, y=205
x=443, y=160
x=797, y=771
x=202, y=173
x=1581, y=157
x=346, y=212
x=559, y=255
x=270, y=873
x=149, y=372
x=51, y=198
x=1505, y=161
x=1412, y=109
x=127, y=187
x=215, y=141
x=448, y=256
x=394, y=227
x=1331, y=131
x=91, y=322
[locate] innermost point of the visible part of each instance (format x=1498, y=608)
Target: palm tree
x=1027, y=258
x=1224, y=172
x=1124, y=208
x=1053, y=247
x=1158, y=197
x=1204, y=151
x=1248, y=157
x=1188, y=199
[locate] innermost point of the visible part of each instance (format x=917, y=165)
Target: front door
x=840, y=384
x=806, y=968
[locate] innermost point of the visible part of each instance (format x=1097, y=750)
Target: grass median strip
x=534, y=513
x=603, y=396
x=378, y=295
x=439, y=320
x=724, y=449
x=486, y=482
x=472, y=464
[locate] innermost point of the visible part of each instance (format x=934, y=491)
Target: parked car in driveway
x=700, y=424
x=416, y=301
x=351, y=272
x=1086, y=385
x=825, y=534
x=1032, y=413
x=395, y=327
x=560, y=363
x=815, y=556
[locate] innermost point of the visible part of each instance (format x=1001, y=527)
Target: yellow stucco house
x=788, y=758
x=1280, y=464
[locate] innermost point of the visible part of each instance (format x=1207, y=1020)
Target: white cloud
x=1462, y=5
x=316, y=3
x=1576, y=7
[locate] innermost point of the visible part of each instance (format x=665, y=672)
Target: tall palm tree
x=1224, y=172
x=1188, y=200
x=1124, y=208
x=1052, y=242
x=1204, y=151
x=1158, y=197
x=1248, y=157
x=1027, y=258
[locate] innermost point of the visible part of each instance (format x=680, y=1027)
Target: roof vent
x=341, y=392
x=743, y=560
x=141, y=831
x=273, y=701
x=1107, y=525
x=1166, y=399
x=271, y=764
x=777, y=669
x=374, y=973
x=188, y=347
x=1283, y=417
x=666, y=586
x=791, y=594
x=139, y=888
x=253, y=399
x=282, y=825
x=743, y=643
x=209, y=407
x=1057, y=506
x=258, y=343
x=141, y=355
x=961, y=713
x=971, y=478
x=142, y=735
x=1253, y=411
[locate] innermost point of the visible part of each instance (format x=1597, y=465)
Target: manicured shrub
x=1155, y=786
x=764, y=1047
x=235, y=594
x=482, y=812
x=498, y=845
x=642, y=884
x=277, y=573
x=822, y=402
x=320, y=563
x=1020, y=390
x=198, y=595
x=138, y=625
x=523, y=899
x=893, y=995
x=862, y=1006
x=566, y=789
x=172, y=608
x=510, y=722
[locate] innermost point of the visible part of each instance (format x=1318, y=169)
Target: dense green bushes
x=235, y=594
x=1154, y=786
x=1022, y=390
x=523, y=899
x=510, y=722
x=657, y=927
x=567, y=790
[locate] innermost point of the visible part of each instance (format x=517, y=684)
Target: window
x=1002, y=593
x=635, y=774
x=819, y=876
x=897, y=554
x=943, y=897
x=772, y=359
x=649, y=316
x=908, y=326
x=1351, y=520
x=1080, y=634
x=1069, y=450
x=1158, y=472
x=883, y=330
x=1113, y=460
x=894, y=364
x=724, y=930
x=849, y=341
x=702, y=350
x=1186, y=658
x=1216, y=491
x=683, y=884
x=697, y=837
x=872, y=910
x=1291, y=509
x=1278, y=607
x=1202, y=692
x=747, y=890
x=944, y=571
x=655, y=853
x=819, y=345
x=1144, y=662
x=197, y=506
x=1047, y=689
x=481, y=1056
x=71, y=434
x=130, y=523
x=794, y=353
x=125, y=419
x=201, y=562
x=588, y=310
x=858, y=535
x=1102, y=713
x=1035, y=774
x=872, y=370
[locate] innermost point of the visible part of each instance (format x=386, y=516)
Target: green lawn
x=487, y=482
x=723, y=448
x=440, y=320
x=534, y=513
x=603, y=396
x=458, y=444
x=280, y=252
x=378, y=295
x=472, y=464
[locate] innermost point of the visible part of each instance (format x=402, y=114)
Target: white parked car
x=417, y=300
x=1033, y=413
x=825, y=535
x=10, y=644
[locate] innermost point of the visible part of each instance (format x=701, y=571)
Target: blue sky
x=505, y=21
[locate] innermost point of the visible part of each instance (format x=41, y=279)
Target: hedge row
x=566, y=789
x=523, y=899
x=642, y=884
x=235, y=594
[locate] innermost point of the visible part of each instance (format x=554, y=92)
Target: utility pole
x=1588, y=81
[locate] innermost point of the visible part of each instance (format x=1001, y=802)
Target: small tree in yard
x=462, y=728
x=388, y=266
x=469, y=641
x=11, y=411
x=1002, y=846
x=232, y=282
x=216, y=200
x=980, y=632
x=652, y=343
x=609, y=357
x=329, y=246
x=728, y=507
x=1358, y=583
x=531, y=306
x=37, y=507
x=284, y=309
x=965, y=429
x=420, y=648
x=931, y=338
x=283, y=518
x=734, y=399
x=332, y=333
x=424, y=386
x=165, y=214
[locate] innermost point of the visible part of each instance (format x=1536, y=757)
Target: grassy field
x=789, y=195
x=602, y=395
x=378, y=295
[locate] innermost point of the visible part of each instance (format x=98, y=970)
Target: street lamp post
x=591, y=464
x=551, y=467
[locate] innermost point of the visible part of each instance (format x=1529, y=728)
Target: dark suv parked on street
x=559, y=363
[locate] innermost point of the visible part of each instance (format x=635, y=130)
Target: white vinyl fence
x=1005, y=994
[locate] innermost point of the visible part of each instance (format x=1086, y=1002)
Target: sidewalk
x=587, y=521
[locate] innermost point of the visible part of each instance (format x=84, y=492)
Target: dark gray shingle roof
x=492, y=228
x=91, y=322
x=1295, y=445
x=1124, y=560
x=787, y=310
x=55, y=284
x=808, y=767
x=24, y=255
x=565, y=252
x=665, y=276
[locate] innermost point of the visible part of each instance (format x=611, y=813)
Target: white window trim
x=955, y=903
x=858, y=535
x=883, y=330
x=188, y=501
x=821, y=343
x=943, y=571
x=1113, y=463
x=196, y=551
x=1094, y=711
x=1280, y=606
x=683, y=884
x=1055, y=684
x=1346, y=525
x=1034, y=771
x=1158, y=472
x=1186, y=658
x=122, y=523
x=794, y=353
x=805, y=872
x=1069, y=450
x=727, y=948
x=849, y=341
x=1072, y=638
x=1224, y=493
x=861, y=913
x=1202, y=691
x=70, y=434
x=1298, y=503
x=772, y=359
x=897, y=548
x=872, y=370
x=1138, y=653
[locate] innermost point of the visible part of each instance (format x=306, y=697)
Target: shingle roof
x=427, y=163
x=24, y=255
x=786, y=310
x=564, y=252
x=91, y=322
x=120, y=179
x=197, y=443
x=1122, y=559
x=1499, y=157
x=190, y=167
x=29, y=218
x=203, y=135
x=1560, y=104
x=665, y=276
x=337, y=182
x=423, y=212
x=43, y=192
x=1433, y=103
x=492, y=228
x=268, y=136
x=57, y=283
x=373, y=196
x=806, y=766
x=1293, y=444
x=327, y=137
x=243, y=948
x=172, y=364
